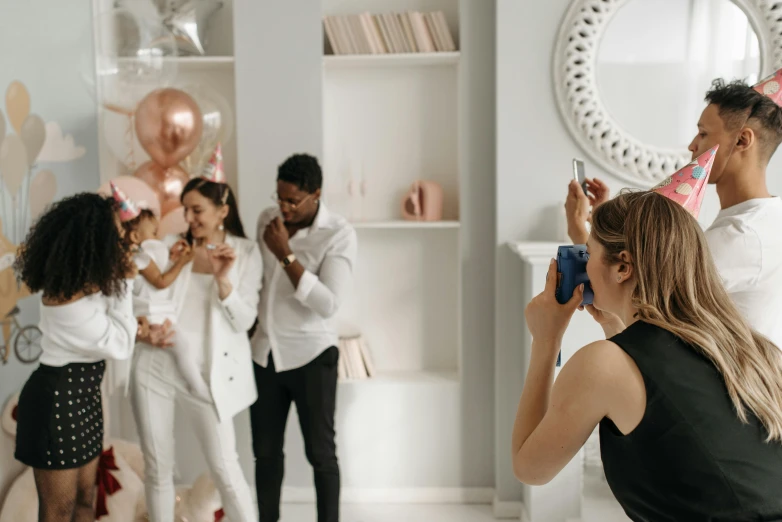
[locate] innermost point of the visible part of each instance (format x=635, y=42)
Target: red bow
x=219, y=515
x=107, y=484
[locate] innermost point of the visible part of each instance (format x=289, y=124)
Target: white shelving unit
x=397, y=224
x=389, y=120
x=391, y=60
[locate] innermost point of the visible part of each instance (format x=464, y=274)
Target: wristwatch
x=286, y=261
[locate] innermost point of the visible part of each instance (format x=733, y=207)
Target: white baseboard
x=397, y=495
x=507, y=510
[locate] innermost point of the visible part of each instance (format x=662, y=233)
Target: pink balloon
x=137, y=190
x=173, y=223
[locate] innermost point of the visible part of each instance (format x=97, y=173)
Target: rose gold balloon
x=168, y=125
x=166, y=182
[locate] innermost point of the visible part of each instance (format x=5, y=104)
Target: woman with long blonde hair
x=688, y=397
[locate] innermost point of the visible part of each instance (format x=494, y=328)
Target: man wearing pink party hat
x=746, y=123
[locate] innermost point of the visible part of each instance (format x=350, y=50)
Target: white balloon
x=115, y=127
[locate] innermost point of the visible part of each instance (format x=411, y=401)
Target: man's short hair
x=303, y=171
x=739, y=103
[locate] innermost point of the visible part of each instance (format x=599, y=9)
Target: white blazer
x=228, y=352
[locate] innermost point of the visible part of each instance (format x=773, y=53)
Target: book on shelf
x=388, y=33
x=354, y=359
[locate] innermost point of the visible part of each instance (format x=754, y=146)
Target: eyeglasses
x=292, y=206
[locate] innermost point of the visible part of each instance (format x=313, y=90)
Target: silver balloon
x=188, y=20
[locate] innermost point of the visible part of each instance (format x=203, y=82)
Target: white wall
x=47, y=54
x=534, y=151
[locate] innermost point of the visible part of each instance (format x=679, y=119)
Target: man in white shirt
x=745, y=238
x=308, y=254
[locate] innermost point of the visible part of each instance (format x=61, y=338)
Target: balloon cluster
x=161, y=134
x=26, y=192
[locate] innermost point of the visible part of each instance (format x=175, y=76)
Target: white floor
x=393, y=513
x=599, y=505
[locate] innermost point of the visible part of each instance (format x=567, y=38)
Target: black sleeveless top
x=690, y=459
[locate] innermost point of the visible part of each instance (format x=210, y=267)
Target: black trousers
x=314, y=390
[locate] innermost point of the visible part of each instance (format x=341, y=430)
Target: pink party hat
x=687, y=186
x=127, y=208
x=771, y=87
x=213, y=171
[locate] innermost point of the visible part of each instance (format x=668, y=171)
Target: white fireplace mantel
x=560, y=500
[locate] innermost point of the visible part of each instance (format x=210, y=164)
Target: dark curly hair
x=219, y=194
x=75, y=246
x=133, y=224
x=739, y=104
x=303, y=171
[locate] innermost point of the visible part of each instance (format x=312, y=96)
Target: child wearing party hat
x=153, y=296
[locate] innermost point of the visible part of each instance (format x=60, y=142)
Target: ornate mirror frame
x=586, y=117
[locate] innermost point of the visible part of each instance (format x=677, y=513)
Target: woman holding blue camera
x=688, y=397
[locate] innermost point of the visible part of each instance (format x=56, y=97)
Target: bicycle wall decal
x=26, y=339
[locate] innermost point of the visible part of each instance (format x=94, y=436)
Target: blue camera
x=571, y=267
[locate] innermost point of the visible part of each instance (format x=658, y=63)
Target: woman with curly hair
x=77, y=257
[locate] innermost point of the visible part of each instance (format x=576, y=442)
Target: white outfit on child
x=158, y=306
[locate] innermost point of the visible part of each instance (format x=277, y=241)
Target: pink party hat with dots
x=687, y=186
x=127, y=208
x=213, y=171
x=771, y=87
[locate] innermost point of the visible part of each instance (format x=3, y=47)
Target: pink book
x=422, y=38
x=430, y=24
x=404, y=19
x=330, y=35
x=381, y=23
x=377, y=34
x=445, y=32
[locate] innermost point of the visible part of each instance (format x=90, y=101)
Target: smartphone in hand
x=579, y=173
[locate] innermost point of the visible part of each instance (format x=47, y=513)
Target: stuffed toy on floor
x=120, y=491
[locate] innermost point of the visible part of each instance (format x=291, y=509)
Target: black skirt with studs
x=59, y=416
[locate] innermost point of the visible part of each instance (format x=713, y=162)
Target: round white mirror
x=657, y=59
x=630, y=75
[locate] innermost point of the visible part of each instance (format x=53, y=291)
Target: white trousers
x=156, y=387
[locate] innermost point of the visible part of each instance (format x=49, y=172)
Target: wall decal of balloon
x=33, y=135
x=17, y=104
x=43, y=188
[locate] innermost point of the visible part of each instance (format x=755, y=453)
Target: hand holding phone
x=579, y=174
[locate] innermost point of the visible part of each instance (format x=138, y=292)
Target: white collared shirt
x=746, y=244
x=295, y=324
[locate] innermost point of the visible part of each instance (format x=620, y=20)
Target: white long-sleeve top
x=296, y=324
x=89, y=329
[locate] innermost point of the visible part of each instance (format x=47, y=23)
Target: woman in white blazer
x=216, y=300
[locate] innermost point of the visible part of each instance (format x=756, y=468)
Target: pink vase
x=423, y=202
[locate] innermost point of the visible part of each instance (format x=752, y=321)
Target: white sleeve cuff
x=306, y=284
